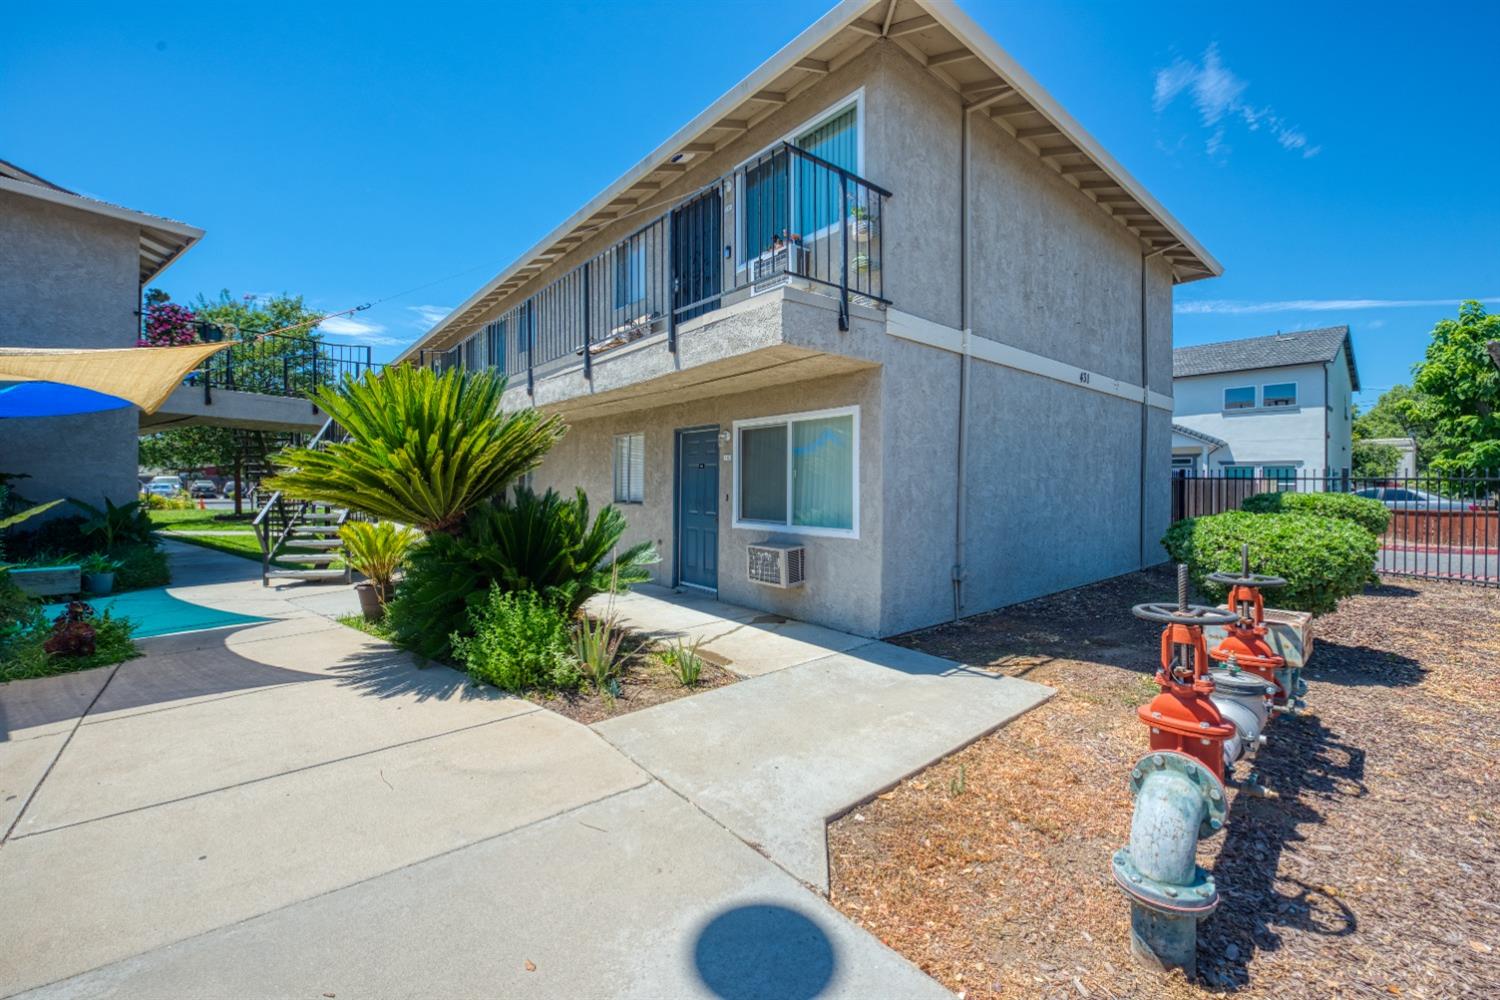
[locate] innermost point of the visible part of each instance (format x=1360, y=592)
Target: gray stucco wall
x=68, y=279
x=843, y=574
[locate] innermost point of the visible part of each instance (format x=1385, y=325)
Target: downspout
x=1145, y=402
x=965, y=307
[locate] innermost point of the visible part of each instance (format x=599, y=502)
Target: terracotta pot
x=369, y=602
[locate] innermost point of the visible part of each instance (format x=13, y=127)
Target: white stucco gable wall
x=1260, y=436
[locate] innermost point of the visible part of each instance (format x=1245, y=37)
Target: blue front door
x=698, y=507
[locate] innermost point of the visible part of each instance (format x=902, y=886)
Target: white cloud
x=428, y=317
x=1218, y=95
x=359, y=329
x=1233, y=307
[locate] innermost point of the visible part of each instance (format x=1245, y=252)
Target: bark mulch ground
x=1371, y=872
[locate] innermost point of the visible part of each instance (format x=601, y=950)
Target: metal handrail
x=263, y=518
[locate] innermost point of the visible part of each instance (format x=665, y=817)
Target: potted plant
x=860, y=216
x=98, y=571
x=377, y=550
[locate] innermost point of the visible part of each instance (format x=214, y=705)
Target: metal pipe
x=1177, y=801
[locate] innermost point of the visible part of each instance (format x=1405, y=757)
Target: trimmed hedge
x=1368, y=514
x=1322, y=559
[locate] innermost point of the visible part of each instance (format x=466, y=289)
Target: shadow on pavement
x=764, y=951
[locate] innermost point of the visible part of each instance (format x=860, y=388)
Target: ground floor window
x=798, y=472
x=1284, y=476
x=1239, y=472
x=630, y=468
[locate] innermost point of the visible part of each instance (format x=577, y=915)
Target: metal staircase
x=299, y=539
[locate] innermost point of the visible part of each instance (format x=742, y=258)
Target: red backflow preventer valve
x=1244, y=643
x=1184, y=717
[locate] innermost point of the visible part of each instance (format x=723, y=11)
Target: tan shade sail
x=144, y=375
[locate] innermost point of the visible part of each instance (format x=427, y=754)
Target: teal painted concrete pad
x=156, y=612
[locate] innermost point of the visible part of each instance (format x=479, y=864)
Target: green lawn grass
x=246, y=546
x=201, y=520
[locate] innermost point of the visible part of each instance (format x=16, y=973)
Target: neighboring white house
x=1276, y=406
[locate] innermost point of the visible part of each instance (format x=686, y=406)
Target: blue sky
x=1341, y=167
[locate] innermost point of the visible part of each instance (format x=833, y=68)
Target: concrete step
x=316, y=529
x=307, y=557
x=322, y=515
x=307, y=542
x=307, y=574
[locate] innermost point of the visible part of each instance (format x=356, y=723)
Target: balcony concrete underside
x=186, y=407
x=787, y=336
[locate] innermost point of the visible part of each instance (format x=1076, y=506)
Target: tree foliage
x=189, y=449
x=424, y=448
x=1458, y=393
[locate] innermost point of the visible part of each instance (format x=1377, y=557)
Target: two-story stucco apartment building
x=884, y=323
x=1274, y=407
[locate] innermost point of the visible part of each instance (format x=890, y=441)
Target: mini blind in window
x=630, y=468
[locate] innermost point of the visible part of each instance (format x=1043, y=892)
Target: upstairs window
x=630, y=273
x=1242, y=398
x=785, y=196
x=495, y=335
x=630, y=468
x=1279, y=394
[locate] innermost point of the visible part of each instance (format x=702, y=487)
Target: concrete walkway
x=294, y=808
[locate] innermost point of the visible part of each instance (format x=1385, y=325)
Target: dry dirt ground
x=644, y=681
x=1371, y=872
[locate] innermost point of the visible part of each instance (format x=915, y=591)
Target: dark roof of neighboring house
x=1302, y=347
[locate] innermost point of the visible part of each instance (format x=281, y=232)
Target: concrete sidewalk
x=295, y=808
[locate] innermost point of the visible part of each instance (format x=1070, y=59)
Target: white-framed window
x=630, y=468
x=798, y=473
x=804, y=199
x=1240, y=398
x=1284, y=476
x=1279, y=394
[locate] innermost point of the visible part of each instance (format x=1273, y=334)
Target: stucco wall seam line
x=947, y=338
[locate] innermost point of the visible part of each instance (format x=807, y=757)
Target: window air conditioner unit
x=777, y=565
x=775, y=267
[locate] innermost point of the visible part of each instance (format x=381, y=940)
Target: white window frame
x=855, y=100
x=1296, y=396
x=788, y=527
x=615, y=470
x=1254, y=398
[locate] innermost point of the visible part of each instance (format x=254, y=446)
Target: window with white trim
x=630, y=468
x=799, y=472
x=1279, y=394
x=1240, y=398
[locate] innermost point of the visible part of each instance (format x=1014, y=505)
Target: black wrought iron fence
x=785, y=215
x=277, y=365
x=1442, y=526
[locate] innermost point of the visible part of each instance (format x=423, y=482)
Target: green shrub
x=543, y=544
x=112, y=525
x=1323, y=559
x=24, y=632
x=1368, y=514
x=141, y=565
x=518, y=642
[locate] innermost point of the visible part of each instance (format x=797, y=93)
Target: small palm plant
x=378, y=549
x=423, y=450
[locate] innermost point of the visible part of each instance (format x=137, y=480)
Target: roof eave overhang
x=162, y=241
x=1099, y=177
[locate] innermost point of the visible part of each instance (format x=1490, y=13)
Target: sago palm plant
x=423, y=449
x=377, y=550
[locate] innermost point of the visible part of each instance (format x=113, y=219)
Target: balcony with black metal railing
x=785, y=219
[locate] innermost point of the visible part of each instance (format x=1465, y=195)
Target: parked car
x=1403, y=498
x=161, y=489
x=203, y=488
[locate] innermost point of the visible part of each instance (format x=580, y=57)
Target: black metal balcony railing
x=277, y=365
x=785, y=214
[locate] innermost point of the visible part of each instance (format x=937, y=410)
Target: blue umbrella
x=53, y=399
